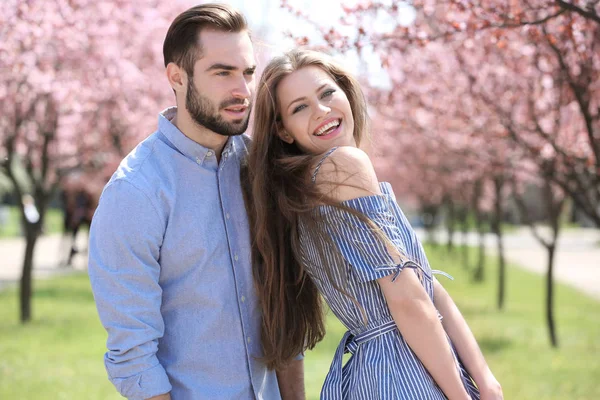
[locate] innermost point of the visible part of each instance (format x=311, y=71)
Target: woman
x=323, y=224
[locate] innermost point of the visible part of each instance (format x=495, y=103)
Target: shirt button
x=198, y=161
x=243, y=299
x=236, y=257
x=227, y=216
x=248, y=339
x=209, y=153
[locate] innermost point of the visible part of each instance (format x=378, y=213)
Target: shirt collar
x=184, y=144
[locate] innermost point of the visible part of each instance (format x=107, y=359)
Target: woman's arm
x=465, y=344
x=417, y=320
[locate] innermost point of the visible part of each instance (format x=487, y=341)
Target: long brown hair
x=280, y=193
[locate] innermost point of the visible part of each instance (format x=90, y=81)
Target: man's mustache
x=236, y=102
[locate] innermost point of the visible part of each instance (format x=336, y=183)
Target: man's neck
x=198, y=133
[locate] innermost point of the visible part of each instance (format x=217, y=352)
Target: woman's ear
x=282, y=133
x=285, y=136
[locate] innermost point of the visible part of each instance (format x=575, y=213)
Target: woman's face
x=315, y=111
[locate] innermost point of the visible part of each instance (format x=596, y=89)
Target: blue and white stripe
x=382, y=365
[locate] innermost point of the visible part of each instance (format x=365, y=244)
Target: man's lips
x=237, y=110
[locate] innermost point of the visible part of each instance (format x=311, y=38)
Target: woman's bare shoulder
x=347, y=173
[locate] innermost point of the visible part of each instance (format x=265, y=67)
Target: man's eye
x=223, y=73
x=299, y=108
x=250, y=72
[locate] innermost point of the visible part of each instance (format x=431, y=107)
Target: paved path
x=577, y=259
x=48, y=256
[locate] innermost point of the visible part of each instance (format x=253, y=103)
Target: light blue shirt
x=170, y=267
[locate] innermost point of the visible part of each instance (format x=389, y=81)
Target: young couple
x=210, y=291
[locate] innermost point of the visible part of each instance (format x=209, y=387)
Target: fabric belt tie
x=353, y=342
x=349, y=344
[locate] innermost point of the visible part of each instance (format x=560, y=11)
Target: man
x=170, y=262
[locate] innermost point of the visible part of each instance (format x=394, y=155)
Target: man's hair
x=182, y=45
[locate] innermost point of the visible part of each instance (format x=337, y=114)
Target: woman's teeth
x=325, y=128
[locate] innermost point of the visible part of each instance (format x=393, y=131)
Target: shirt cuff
x=149, y=383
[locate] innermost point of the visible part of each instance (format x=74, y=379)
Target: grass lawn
x=59, y=354
x=53, y=223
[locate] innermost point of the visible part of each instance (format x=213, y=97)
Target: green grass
x=59, y=354
x=12, y=228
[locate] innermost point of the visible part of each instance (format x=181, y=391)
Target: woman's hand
x=491, y=390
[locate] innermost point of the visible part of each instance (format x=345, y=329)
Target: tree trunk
x=464, y=227
x=501, y=271
x=450, y=224
x=429, y=213
x=478, y=276
x=497, y=228
x=26, y=289
x=479, y=271
x=550, y=296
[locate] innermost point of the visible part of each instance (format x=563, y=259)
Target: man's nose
x=243, y=89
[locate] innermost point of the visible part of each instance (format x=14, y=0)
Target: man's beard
x=201, y=111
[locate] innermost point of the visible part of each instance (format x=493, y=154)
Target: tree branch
x=584, y=13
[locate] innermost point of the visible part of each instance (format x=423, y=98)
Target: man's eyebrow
x=227, y=67
x=304, y=98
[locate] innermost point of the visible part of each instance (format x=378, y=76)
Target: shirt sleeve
x=360, y=244
x=125, y=240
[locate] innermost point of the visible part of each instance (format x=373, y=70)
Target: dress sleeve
x=412, y=244
x=364, y=249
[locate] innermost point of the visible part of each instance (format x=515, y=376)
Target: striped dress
x=382, y=365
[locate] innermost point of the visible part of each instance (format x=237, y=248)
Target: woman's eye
x=299, y=108
x=327, y=93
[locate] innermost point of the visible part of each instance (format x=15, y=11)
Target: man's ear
x=177, y=77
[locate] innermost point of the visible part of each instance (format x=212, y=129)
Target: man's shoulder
x=141, y=167
x=242, y=144
x=140, y=159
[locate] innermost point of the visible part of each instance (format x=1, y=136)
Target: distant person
x=77, y=215
x=169, y=257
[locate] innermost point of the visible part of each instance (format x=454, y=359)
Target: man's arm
x=291, y=380
x=125, y=240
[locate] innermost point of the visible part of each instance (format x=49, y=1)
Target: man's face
x=219, y=96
